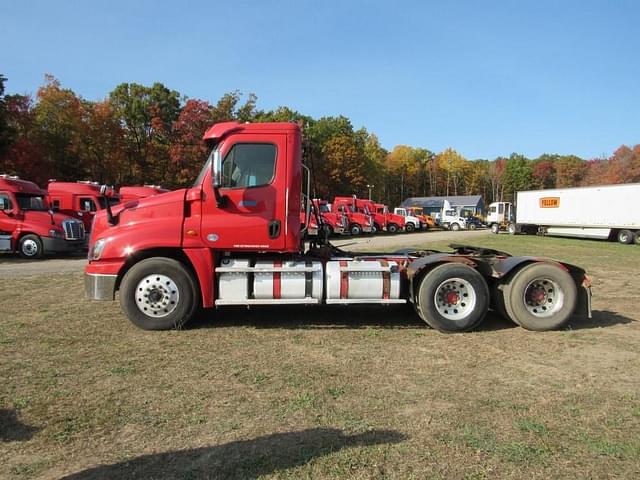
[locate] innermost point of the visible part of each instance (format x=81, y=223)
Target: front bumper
x=367, y=229
x=99, y=286
x=60, y=245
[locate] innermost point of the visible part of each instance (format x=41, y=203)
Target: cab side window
x=500, y=208
x=87, y=205
x=5, y=201
x=249, y=165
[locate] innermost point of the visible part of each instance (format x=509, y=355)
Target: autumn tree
x=570, y=171
x=453, y=166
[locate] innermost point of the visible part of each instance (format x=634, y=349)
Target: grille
x=73, y=230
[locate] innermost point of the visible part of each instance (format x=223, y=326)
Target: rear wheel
x=512, y=228
x=158, y=294
x=355, y=229
x=409, y=227
x=392, y=228
x=453, y=298
x=625, y=236
x=30, y=246
x=495, y=228
x=637, y=237
x=540, y=297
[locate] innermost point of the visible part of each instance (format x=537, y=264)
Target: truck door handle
x=274, y=229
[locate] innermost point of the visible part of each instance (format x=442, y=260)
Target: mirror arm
x=221, y=200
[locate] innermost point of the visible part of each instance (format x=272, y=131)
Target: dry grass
x=325, y=393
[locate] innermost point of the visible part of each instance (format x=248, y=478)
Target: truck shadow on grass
x=241, y=459
x=12, y=429
x=339, y=317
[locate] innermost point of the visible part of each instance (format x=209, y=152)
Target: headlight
x=96, y=250
x=56, y=233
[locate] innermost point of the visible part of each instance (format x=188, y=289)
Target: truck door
x=7, y=222
x=86, y=211
x=254, y=191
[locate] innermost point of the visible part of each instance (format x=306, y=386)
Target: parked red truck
x=332, y=222
x=359, y=221
x=80, y=199
x=29, y=227
x=395, y=223
x=137, y=192
x=234, y=238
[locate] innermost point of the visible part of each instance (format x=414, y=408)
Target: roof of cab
x=17, y=185
x=79, y=188
x=220, y=130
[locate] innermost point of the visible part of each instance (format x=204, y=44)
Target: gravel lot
x=14, y=266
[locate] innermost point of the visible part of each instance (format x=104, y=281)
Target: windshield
x=324, y=208
x=112, y=201
x=31, y=202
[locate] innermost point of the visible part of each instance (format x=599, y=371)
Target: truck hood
x=151, y=201
x=44, y=218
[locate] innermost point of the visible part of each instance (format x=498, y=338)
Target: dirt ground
x=319, y=393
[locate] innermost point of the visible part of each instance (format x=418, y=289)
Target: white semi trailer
x=606, y=212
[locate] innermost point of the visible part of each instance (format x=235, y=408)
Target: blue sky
x=485, y=77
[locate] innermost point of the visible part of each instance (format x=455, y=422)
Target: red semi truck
x=80, y=199
x=359, y=222
x=29, y=227
x=395, y=222
x=234, y=238
x=332, y=222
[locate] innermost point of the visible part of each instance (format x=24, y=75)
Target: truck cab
x=411, y=223
x=368, y=208
x=333, y=222
x=359, y=222
x=426, y=221
x=79, y=199
x=394, y=223
x=450, y=218
x=501, y=216
x=28, y=226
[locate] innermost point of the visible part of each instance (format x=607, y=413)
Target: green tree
x=517, y=174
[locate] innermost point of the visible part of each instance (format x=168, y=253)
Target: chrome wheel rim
x=543, y=297
x=157, y=295
x=455, y=299
x=29, y=248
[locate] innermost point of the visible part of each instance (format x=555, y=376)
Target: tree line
x=152, y=134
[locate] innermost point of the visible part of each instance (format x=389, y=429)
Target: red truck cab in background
x=80, y=200
x=28, y=226
x=234, y=238
x=333, y=222
x=136, y=192
x=395, y=222
x=358, y=221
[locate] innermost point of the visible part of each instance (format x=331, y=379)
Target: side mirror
x=216, y=168
x=106, y=191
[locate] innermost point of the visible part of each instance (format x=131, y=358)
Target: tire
x=409, y=227
x=511, y=229
x=495, y=228
x=625, y=236
x=472, y=226
x=460, y=282
x=454, y=227
x=553, y=283
x=637, y=237
x=162, y=277
x=355, y=229
x=392, y=228
x=30, y=246
x=374, y=229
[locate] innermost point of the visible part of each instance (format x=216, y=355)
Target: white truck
x=604, y=212
x=412, y=223
x=450, y=218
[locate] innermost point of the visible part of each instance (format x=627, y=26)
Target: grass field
x=321, y=393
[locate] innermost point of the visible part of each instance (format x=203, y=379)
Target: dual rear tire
x=452, y=298
x=538, y=297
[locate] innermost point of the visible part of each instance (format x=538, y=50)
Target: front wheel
x=158, y=294
x=453, y=298
x=541, y=296
x=409, y=227
x=392, y=228
x=472, y=226
x=495, y=228
x=30, y=247
x=355, y=229
x=455, y=227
